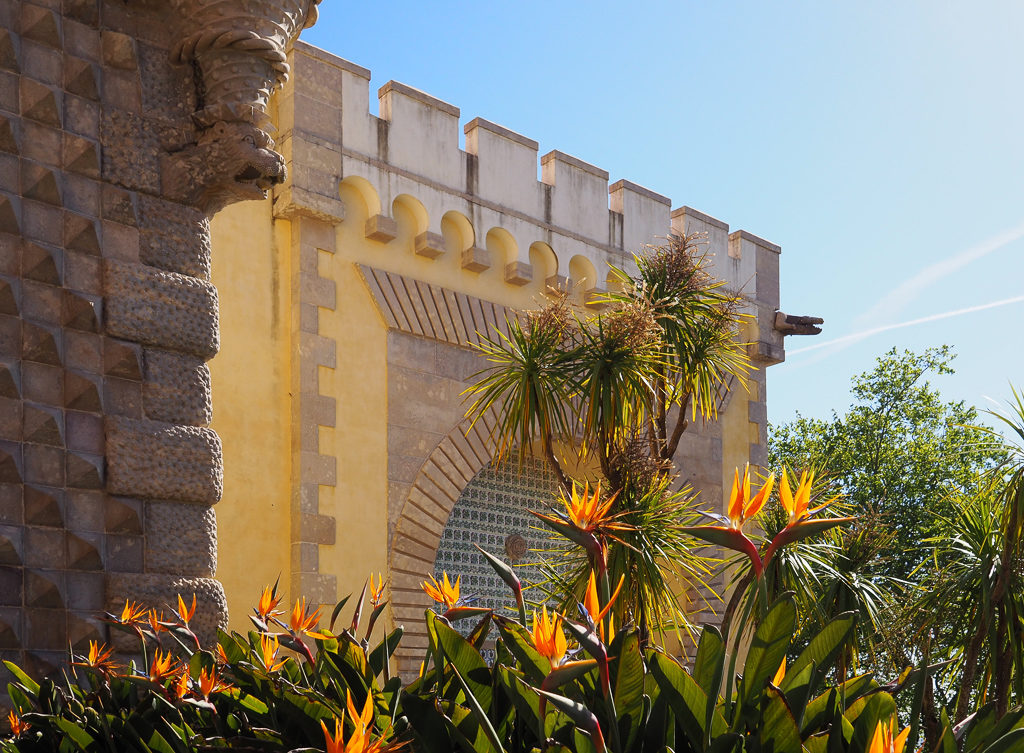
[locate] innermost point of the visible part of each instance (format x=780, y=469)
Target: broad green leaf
x=778, y=729
x=524, y=700
x=767, y=649
x=947, y=743
x=687, y=701
x=470, y=665
x=820, y=710
x=710, y=661
x=78, y=736
x=627, y=671
x=384, y=650
x=1012, y=742
x=478, y=710
x=873, y=709
x=568, y=672
x=465, y=729
x=31, y=685
x=825, y=645
x=797, y=689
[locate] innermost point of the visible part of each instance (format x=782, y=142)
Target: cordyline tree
x=620, y=387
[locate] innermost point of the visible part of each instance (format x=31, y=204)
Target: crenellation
x=421, y=132
x=506, y=166
x=645, y=214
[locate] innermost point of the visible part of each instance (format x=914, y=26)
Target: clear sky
x=881, y=144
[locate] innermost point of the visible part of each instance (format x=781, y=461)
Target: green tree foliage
x=900, y=451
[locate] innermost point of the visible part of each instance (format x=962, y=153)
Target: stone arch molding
x=449, y=468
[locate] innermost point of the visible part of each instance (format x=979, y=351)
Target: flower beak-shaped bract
x=548, y=638
x=800, y=526
x=585, y=520
x=444, y=593
x=742, y=507
x=884, y=741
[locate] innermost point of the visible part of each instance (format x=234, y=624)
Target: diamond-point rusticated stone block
x=155, y=460
x=163, y=309
x=430, y=245
x=158, y=590
x=476, y=259
x=10, y=381
x=43, y=508
x=381, y=228
x=81, y=156
x=10, y=463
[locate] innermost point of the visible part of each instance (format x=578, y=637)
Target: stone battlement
x=566, y=227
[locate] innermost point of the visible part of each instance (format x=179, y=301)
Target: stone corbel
x=238, y=51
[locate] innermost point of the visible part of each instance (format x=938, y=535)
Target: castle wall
x=403, y=248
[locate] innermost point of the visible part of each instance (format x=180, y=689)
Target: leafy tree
x=900, y=451
x=620, y=388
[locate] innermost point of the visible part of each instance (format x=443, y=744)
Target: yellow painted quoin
x=349, y=304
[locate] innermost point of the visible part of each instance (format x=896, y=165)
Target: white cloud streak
x=841, y=343
x=893, y=302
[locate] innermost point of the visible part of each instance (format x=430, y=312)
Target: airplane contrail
x=858, y=336
x=897, y=298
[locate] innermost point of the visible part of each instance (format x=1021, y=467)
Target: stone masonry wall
x=107, y=316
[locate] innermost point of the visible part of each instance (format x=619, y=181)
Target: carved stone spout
x=238, y=51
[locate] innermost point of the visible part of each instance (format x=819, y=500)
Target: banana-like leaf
x=797, y=689
x=477, y=709
x=382, y=653
x=825, y=645
x=686, y=699
x=580, y=714
x=1011, y=742
x=767, y=649
x=778, y=731
x=708, y=670
x=567, y=673
x=517, y=640
x=467, y=663
x=627, y=671
x=878, y=707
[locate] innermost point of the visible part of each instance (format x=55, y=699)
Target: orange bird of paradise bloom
x=377, y=590
x=98, y=658
x=269, y=646
x=548, y=638
x=593, y=605
x=268, y=603
x=162, y=666
x=884, y=740
x=446, y=593
x=210, y=683
x=132, y=613
x=359, y=741
x=18, y=727
x=186, y=613
x=304, y=622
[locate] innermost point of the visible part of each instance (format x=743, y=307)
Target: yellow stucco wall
x=252, y=412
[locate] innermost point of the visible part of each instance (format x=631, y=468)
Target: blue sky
x=879, y=143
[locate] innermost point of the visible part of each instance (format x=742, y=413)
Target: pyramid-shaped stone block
x=8, y=300
x=8, y=55
x=42, y=589
x=122, y=360
x=41, y=263
x=80, y=78
x=10, y=547
x=39, y=102
x=81, y=632
x=80, y=234
x=9, y=214
x=40, y=24
x=122, y=516
x=42, y=508
x=10, y=463
x=9, y=639
x=79, y=312
x=8, y=139
x=84, y=472
x=40, y=183
x=42, y=425
x=81, y=156
x=81, y=393
x=83, y=11
x=39, y=344
x=10, y=384
x=83, y=554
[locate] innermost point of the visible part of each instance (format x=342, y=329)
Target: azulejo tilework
x=492, y=507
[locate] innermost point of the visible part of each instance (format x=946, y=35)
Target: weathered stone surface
x=174, y=237
x=177, y=388
x=181, y=539
x=162, y=592
x=162, y=309
x=154, y=460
